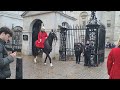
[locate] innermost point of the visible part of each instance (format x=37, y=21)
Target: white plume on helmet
x=118, y=44
x=42, y=28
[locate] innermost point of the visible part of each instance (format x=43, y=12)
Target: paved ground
x=61, y=69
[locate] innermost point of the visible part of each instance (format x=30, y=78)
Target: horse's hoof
x=51, y=64
x=35, y=61
x=44, y=63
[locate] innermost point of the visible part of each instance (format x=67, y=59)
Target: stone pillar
x=19, y=68
x=27, y=43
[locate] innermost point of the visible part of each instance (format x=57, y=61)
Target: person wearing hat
x=87, y=54
x=39, y=43
x=42, y=36
x=78, y=51
x=113, y=62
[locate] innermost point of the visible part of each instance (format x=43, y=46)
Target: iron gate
x=101, y=43
x=68, y=38
x=94, y=32
x=15, y=43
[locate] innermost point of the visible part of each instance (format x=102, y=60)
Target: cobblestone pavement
x=60, y=70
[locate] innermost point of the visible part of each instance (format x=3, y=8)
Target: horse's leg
x=50, y=60
x=35, y=56
x=35, y=59
x=45, y=60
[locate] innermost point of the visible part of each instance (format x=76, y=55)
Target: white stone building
x=51, y=20
x=11, y=18
x=111, y=20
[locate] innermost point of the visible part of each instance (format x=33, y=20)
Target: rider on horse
x=42, y=36
x=44, y=42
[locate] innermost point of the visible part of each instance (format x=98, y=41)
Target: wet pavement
x=60, y=70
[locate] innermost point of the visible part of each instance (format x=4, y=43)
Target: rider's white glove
x=40, y=40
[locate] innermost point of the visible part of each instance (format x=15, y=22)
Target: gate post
x=63, y=36
x=92, y=38
x=95, y=37
x=19, y=69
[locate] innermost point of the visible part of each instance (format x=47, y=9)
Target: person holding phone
x=5, y=58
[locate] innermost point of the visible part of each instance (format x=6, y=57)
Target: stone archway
x=65, y=24
x=36, y=26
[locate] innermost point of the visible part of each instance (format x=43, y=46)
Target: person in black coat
x=78, y=51
x=87, y=54
x=5, y=58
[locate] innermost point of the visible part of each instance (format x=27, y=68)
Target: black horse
x=47, y=47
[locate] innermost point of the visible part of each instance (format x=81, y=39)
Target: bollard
x=19, y=71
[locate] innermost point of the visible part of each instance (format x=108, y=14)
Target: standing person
x=113, y=63
x=5, y=59
x=78, y=51
x=87, y=54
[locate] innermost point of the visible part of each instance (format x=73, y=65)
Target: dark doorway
x=35, y=31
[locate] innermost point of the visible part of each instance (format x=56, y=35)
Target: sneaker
x=51, y=64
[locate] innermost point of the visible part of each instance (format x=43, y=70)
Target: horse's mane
x=50, y=39
x=48, y=43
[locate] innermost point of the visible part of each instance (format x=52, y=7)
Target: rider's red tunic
x=40, y=43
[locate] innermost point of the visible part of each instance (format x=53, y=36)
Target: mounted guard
x=42, y=36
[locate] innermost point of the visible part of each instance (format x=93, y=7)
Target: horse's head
x=53, y=34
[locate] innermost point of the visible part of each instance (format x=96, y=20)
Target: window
x=65, y=24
